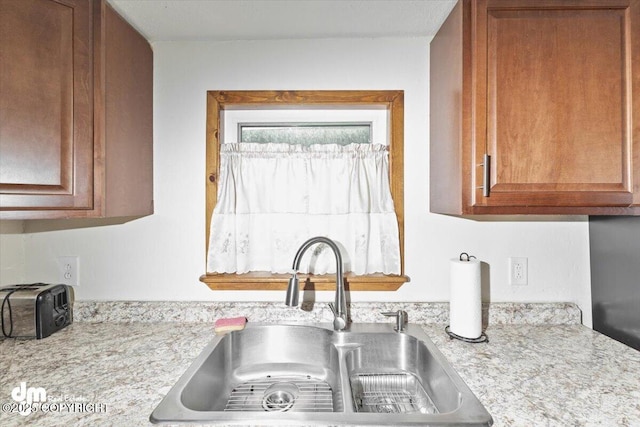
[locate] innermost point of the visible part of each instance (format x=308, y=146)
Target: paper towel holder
x=483, y=337
x=467, y=255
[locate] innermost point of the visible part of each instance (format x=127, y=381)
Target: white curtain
x=273, y=197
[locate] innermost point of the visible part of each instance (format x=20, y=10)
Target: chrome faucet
x=339, y=307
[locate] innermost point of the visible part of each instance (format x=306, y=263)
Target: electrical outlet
x=69, y=270
x=518, y=271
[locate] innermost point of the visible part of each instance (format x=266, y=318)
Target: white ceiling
x=220, y=20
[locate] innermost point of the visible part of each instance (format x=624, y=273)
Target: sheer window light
x=274, y=196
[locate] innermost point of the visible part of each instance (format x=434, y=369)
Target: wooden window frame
x=392, y=100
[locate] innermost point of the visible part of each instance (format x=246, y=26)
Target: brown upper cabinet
x=535, y=108
x=76, y=112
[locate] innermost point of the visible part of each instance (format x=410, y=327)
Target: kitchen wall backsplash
x=276, y=312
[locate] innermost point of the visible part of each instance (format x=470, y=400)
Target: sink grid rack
x=390, y=393
x=295, y=393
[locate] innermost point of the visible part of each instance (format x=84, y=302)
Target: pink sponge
x=222, y=326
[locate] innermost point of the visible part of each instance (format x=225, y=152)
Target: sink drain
x=280, y=397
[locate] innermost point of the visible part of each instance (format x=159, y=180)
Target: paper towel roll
x=465, y=304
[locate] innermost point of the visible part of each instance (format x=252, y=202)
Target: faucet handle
x=401, y=319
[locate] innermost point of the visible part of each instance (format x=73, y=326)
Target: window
x=315, y=125
x=305, y=133
x=287, y=115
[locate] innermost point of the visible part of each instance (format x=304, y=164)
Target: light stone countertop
x=530, y=373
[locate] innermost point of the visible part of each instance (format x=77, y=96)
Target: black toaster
x=35, y=310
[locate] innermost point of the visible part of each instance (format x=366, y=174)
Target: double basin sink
x=312, y=375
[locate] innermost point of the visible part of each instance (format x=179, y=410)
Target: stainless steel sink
x=242, y=371
x=312, y=375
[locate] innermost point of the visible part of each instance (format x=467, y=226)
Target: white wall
x=12, y=255
x=161, y=257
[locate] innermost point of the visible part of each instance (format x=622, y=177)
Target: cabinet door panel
x=46, y=107
x=558, y=91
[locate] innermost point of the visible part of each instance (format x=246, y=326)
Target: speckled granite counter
x=115, y=373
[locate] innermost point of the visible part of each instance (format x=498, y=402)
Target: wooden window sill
x=326, y=282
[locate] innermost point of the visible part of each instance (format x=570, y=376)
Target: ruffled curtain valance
x=273, y=197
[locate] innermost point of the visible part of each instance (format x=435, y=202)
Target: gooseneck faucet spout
x=339, y=307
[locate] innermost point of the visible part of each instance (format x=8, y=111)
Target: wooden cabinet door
x=46, y=105
x=554, y=97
